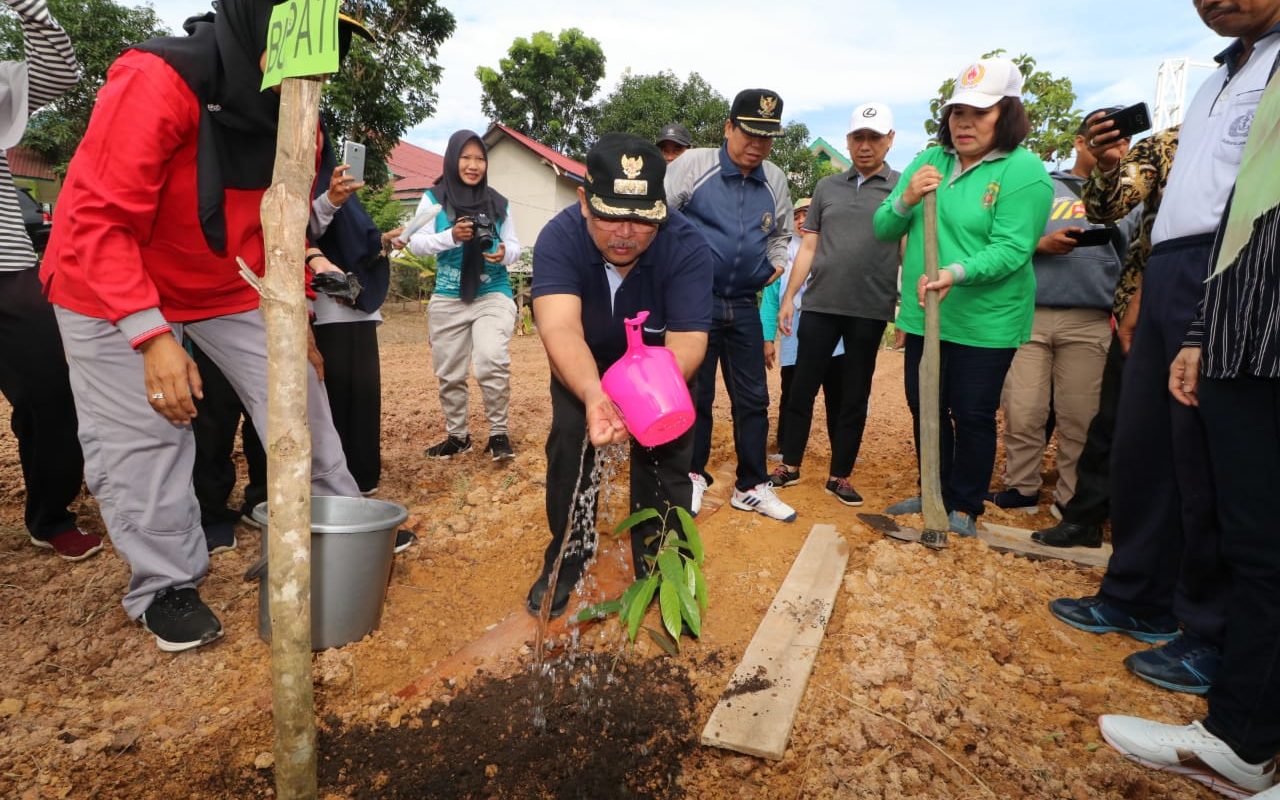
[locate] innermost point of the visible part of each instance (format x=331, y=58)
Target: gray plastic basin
x=352, y=543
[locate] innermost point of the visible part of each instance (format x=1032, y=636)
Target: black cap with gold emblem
x=758, y=112
x=624, y=179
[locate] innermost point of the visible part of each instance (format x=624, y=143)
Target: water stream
x=588, y=496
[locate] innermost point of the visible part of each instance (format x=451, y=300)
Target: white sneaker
x=762, y=498
x=1187, y=750
x=699, y=488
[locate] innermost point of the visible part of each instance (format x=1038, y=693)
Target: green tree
x=543, y=88
x=99, y=30
x=803, y=169
x=1048, y=101
x=642, y=104
x=385, y=211
x=386, y=87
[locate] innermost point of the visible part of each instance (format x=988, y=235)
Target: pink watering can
x=648, y=389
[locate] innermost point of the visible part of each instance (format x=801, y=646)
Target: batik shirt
x=1140, y=178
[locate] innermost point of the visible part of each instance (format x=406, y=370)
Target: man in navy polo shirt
x=741, y=203
x=617, y=252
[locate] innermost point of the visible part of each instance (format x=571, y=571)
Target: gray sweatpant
x=478, y=335
x=138, y=464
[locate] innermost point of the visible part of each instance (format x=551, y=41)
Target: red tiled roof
x=575, y=168
x=27, y=163
x=410, y=187
x=410, y=161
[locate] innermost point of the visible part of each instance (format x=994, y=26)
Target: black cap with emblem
x=758, y=112
x=624, y=179
x=675, y=132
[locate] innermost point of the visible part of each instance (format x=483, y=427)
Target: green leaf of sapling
x=669, y=603
x=635, y=519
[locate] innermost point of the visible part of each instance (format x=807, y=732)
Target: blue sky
x=825, y=58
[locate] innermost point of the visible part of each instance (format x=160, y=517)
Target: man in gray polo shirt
x=853, y=286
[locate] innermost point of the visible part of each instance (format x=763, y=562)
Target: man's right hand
x=1057, y=243
x=604, y=425
x=1104, y=143
x=1129, y=323
x=786, y=313
x=172, y=378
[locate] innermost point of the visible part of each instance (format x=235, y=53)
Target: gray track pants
x=138, y=464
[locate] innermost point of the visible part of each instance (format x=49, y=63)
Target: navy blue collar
x=728, y=168
x=1231, y=54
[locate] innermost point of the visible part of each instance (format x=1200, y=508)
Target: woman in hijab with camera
x=993, y=199
x=472, y=313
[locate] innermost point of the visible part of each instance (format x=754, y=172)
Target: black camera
x=484, y=233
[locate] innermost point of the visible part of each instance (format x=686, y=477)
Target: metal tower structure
x=1171, y=90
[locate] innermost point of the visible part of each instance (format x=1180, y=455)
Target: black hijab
x=218, y=60
x=458, y=199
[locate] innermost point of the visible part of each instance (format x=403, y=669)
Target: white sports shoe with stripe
x=699, y=488
x=762, y=499
x=1187, y=750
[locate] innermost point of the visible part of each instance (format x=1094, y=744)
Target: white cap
x=984, y=82
x=873, y=117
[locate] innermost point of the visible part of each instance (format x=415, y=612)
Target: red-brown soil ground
x=942, y=675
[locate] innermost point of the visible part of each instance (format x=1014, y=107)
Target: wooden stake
x=935, y=513
x=285, y=209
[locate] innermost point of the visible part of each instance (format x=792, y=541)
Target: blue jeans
x=970, y=382
x=736, y=343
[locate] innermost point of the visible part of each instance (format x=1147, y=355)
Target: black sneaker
x=180, y=620
x=1069, y=534
x=404, y=540
x=1185, y=664
x=565, y=584
x=782, y=476
x=844, y=492
x=450, y=447
x=1012, y=498
x=499, y=447
x=220, y=537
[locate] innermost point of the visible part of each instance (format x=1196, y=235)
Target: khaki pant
x=1065, y=356
x=478, y=335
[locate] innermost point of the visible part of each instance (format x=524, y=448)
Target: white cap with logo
x=872, y=117
x=983, y=83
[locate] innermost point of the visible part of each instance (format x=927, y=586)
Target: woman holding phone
x=993, y=199
x=472, y=313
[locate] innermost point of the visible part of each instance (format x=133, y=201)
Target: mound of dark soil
x=601, y=729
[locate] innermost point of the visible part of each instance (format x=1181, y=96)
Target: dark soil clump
x=595, y=731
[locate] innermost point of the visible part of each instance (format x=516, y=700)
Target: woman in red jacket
x=161, y=197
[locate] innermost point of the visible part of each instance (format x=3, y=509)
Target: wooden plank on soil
x=758, y=708
x=1018, y=541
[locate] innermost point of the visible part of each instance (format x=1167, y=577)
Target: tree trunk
x=285, y=209
x=935, y=513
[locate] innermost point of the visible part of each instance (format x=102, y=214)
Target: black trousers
x=1164, y=527
x=659, y=480
x=832, y=381
x=218, y=415
x=817, y=335
x=970, y=383
x=33, y=378
x=353, y=381
x=1242, y=417
x=1091, y=504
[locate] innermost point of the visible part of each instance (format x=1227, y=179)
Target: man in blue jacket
x=742, y=205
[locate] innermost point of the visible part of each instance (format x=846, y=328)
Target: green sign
x=302, y=40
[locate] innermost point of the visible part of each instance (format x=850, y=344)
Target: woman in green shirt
x=993, y=200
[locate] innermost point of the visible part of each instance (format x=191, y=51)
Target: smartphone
x=1092, y=237
x=353, y=157
x=1129, y=121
